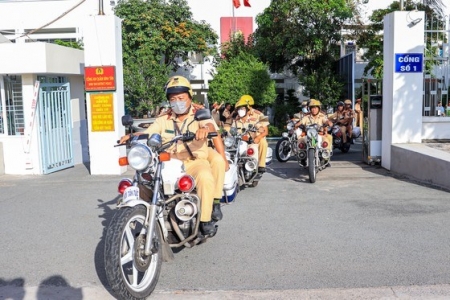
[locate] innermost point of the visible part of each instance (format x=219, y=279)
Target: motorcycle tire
x=345, y=148
x=122, y=255
x=312, y=165
x=280, y=150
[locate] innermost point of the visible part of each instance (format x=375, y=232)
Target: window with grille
x=11, y=107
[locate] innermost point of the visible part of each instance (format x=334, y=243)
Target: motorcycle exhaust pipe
x=185, y=210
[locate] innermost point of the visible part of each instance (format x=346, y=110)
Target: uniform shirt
x=300, y=115
x=320, y=119
x=357, y=107
x=338, y=116
x=251, y=118
x=349, y=115
x=164, y=125
x=216, y=116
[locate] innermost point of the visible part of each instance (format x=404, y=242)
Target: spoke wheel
x=130, y=273
x=283, y=150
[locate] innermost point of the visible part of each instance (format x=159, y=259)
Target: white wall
x=402, y=92
x=436, y=128
x=40, y=58
x=79, y=121
x=29, y=59
x=14, y=146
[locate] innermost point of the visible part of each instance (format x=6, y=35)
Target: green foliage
x=274, y=131
x=76, y=45
x=371, y=37
x=157, y=37
x=235, y=46
x=301, y=36
x=285, y=108
x=241, y=75
x=291, y=33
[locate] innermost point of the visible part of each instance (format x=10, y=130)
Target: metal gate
x=55, y=124
x=437, y=67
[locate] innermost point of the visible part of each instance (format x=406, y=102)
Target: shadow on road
x=343, y=165
x=15, y=289
x=99, y=256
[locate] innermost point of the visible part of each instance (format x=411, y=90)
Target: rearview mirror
x=202, y=114
x=127, y=120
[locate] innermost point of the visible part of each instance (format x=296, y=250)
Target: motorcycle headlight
x=139, y=157
x=229, y=142
x=285, y=134
x=290, y=126
x=312, y=132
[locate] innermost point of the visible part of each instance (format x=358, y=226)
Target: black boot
x=261, y=170
x=217, y=212
x=208, y=228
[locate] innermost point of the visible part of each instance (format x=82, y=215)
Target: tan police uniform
x=358, y=113
x=218, y=169
x=253, y=117
x=339, y=117
x=349, y=116
x=320, y=119
x=196, y=166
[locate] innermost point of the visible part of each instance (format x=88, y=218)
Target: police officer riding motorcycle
x=314, y=143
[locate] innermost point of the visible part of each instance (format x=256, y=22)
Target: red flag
x=237, y=3
x=247, y=3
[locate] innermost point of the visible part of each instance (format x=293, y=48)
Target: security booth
x=373, y=130
x=42, y=109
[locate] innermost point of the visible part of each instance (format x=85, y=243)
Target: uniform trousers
x=218, y=172
x=344, y=130
x=262, y=152
x=200, y=169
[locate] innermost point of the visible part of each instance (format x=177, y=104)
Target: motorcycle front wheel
x=283, y=150
x=345, y=148
x=312, y=165
x=130, y=273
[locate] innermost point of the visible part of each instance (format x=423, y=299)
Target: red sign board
x=228, y=25
x=101, y=78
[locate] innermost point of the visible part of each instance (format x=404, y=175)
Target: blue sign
x=408, y=62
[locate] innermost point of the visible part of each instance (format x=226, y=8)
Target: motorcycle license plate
x=131, y=193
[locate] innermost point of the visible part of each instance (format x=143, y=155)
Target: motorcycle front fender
x=133, y=203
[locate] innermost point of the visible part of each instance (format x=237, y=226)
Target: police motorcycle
x=313, y=155
x=158, y=211
x=287, y=146
x=338, y=141
x=244, y=153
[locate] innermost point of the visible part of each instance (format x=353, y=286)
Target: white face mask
x=304, y=110
x=178, y=107
x=242, y=112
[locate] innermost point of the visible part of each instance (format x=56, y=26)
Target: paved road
x=357, y=233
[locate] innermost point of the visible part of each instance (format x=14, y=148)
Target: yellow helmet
x=245, y=100
x=178, y=84
x=314, y=102
x=348, y=101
